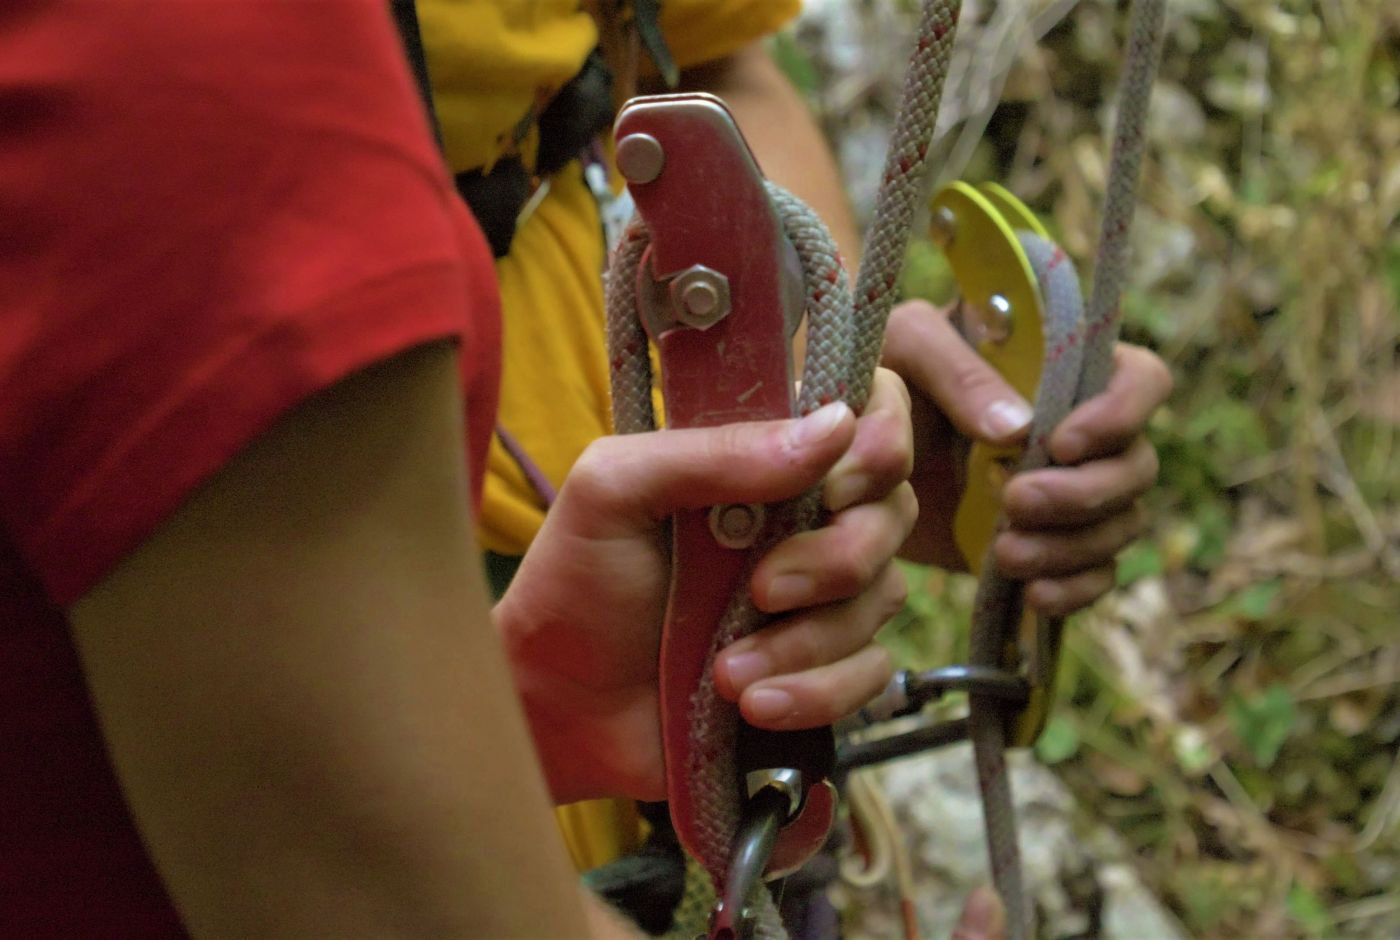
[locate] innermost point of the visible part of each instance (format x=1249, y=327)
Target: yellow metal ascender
x=1002, y=313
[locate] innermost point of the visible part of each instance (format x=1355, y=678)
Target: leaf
x=1391, y=267
x=1138, y=561
x=927, y=273
x=1254, y=602
x=1264, y=722
x=796, y=64
x=1308, y=912
x=1193, y=751
x=1213, y=524
x=1058, y=742
x=1234, y=431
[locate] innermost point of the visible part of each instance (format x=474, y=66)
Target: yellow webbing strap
x=599, y=831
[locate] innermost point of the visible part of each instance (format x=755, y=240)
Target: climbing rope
x=829, y=349
x=845, y=335
x=1077, y=366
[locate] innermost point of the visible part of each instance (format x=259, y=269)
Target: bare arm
x=786, y=139
x=304, y=696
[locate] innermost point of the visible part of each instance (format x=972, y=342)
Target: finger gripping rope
x=844, y=340
x=825, y=379
x=845, y=334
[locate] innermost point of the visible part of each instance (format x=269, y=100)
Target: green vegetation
x=1234, y=708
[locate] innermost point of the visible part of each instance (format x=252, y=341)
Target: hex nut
x=700, y=297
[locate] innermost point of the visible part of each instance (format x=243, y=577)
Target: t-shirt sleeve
x=210, y=212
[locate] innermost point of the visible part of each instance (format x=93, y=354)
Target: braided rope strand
x=997, y=606
x=628, y=360
x=711, y=769
x=997, y=609
x=1146, y=21
x=901, y=190
x=714, y=721
x=844, y=345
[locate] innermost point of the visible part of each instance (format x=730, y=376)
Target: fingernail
x=769, y=704
x=842, y=491
x=787, y=591
x=1005, y=418
x=984, y=915
x=745, y=669
x=818, y=425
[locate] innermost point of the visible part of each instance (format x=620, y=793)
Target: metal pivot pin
x=640, y=158
x=736, y=525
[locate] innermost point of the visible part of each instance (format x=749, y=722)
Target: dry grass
x=1235, y=707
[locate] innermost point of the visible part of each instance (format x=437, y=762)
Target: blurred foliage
x=1234, y=708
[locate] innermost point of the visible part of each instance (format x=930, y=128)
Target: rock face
x=1077, y=870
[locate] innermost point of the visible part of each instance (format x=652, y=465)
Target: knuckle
x=895, y=591
x=594, y=472
x=860, y=573
x=856, y=567
x=902, y=333
x=1150, y=464
x=970, y=374
x=1158, y=373
x=1136, y=521
x=907, y=505
x=1013, y=554
x=889, y=457
x=801, y=647
x=731, y=441
x=896, y=384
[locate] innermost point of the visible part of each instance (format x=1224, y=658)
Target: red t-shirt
x=208, y=212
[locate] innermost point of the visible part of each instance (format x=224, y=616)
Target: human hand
x=1067, y=522
x=983, y=917
x=581, y=622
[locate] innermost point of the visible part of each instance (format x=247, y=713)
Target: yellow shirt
x=495, y=64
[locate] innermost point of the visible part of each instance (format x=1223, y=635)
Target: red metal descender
x=719, y=292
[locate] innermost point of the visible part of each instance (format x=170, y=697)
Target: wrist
x=544, y=696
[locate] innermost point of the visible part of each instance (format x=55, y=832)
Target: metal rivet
x=640, y=158
x=999, y=318
x=736, y=525
x=943, y=226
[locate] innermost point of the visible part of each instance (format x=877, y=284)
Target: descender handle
x=719, y=293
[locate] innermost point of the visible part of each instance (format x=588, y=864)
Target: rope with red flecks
x=1078, y=363
x=1077, y=366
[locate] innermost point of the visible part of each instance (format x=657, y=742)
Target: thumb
x=656, y=474
x=922, y=345
x=983, y=917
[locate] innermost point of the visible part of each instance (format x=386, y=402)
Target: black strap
x=405, y=14
x=579, y=111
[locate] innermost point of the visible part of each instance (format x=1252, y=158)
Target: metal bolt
x=736, y=525
x=943, y=226
x=998, y=318
x=640, y=158
x=700, y=299
x=700, y=296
